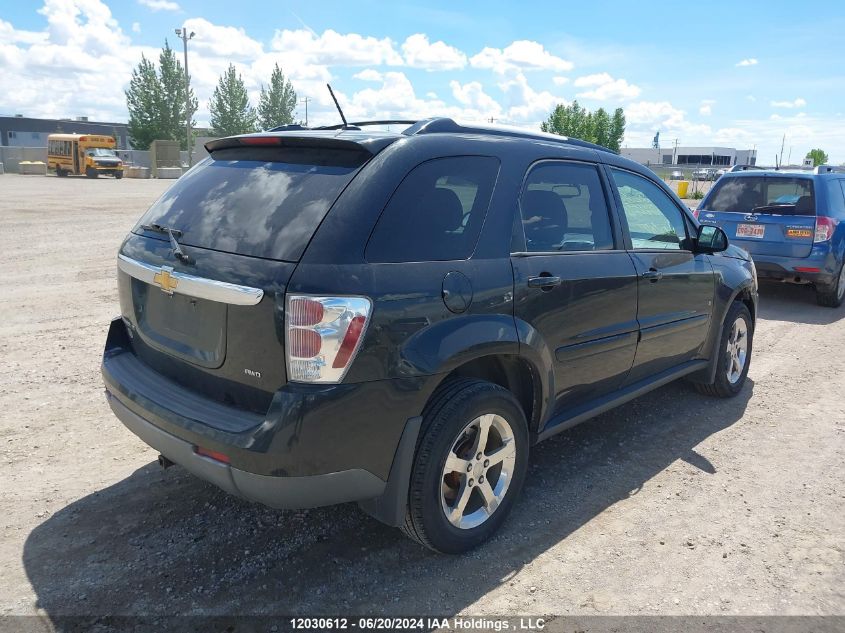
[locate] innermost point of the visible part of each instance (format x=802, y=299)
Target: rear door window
x=437, y=211
x=760, y=194
x=261, y=202
x=564, y=208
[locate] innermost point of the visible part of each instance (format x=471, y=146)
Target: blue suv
x=790, y=222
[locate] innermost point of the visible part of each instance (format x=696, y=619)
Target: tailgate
x=764, y=233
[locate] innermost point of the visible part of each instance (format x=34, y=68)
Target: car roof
x=354, y=132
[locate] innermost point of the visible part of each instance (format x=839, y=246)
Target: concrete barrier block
x=170, y=173
x=32, y=168
x=135, y=171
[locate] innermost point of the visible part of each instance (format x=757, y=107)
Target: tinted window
x=263, y=202
x=761, y=194
x=654, y=220
x=563, y=208
x=437, y=211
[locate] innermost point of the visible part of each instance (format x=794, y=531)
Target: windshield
x=101, y=152
x=254, y=203
x=763, y=194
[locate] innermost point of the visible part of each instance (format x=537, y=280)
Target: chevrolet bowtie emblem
x=165, y=281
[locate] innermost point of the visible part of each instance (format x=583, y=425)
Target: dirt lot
x=673, y=504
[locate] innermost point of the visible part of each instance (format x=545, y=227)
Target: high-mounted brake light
x=261, y=140
x=323, y=334
x=824, y=229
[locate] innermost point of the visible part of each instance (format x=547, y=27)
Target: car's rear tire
x=832, y=296
x=479, y=428
x=734, y=354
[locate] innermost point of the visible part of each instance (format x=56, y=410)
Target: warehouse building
x=691, y=156
x=21, y=131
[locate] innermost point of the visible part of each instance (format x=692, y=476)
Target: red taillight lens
x=305, y=312
x=824, y=228
x=304, y=343
x=695, y=213
x=323, y=335
x=350, y=342
x=261, y=140
x=215, y=455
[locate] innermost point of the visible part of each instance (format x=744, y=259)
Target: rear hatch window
x=256, y=201
x=768, y=215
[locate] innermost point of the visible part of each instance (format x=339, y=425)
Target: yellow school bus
x=89, y=154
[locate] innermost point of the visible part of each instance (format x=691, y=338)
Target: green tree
x=156, y=101
x=173, y=107
x=230, y=110
x=596, y=127
x=818, y=155
x=143, y=99
x=277, y=102
x=617, y=130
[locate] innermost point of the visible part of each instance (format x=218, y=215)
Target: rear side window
x=760, y=194
x=564, y=208
x=262, y=202
x=437, y=211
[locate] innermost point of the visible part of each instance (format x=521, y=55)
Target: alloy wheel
x=478, y=471
x=737, y=350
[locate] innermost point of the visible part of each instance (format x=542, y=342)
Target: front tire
x=61, y=173
x=734, y=354
x=832, y=296
x=118, y=175
x=91, y=172
x=469, y=466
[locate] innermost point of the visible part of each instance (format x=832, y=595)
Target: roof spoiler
x=278, y=140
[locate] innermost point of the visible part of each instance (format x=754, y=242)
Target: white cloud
x=136, y=27
x=421, y=53
x=751, y=61
x=526, y=105
x=797, y=103
x=212, y=40
x=706, y=108
x=560, y=81
x=750, y=98
x=368, y=74
x=521, y=55
x=606, y=88
x=160, y=5
x=336, y=49
x=472, y=95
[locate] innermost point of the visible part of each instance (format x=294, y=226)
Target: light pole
x=183, y=35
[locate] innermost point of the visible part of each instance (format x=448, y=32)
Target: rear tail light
x=323, y=334
x=824, y=228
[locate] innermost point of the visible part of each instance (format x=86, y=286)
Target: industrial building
x=691, y=156
x=21, y=131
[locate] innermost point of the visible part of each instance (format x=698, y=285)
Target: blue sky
x=723, y=73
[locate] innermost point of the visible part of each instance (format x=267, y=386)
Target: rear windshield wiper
x=173, y=234
x=772, y=207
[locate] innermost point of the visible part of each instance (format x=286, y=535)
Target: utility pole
x=305, y=101
x=675, y=153
x=492, y=120
x=782, y=143
x=182, y=34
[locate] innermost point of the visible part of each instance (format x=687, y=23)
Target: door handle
x=653, y=275
x=546, y=282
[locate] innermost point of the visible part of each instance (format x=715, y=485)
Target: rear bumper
x=820, y=267
x=277, y=492
x=316, y=445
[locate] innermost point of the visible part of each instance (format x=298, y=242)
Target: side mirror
x=711, y=239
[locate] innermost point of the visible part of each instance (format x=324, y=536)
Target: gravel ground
x=673, y=504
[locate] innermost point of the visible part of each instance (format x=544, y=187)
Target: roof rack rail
x=447, y=125
x=829, y=169
x=360, y=124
